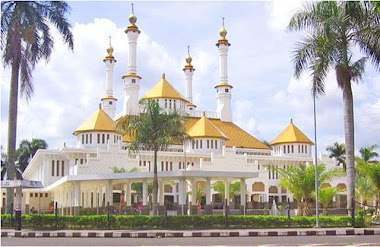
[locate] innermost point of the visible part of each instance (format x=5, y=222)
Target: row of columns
x=70, y=198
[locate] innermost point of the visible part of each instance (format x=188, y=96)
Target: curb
x=180, y=234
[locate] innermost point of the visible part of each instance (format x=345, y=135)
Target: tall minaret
x=223, y=89
x=109, y=101
x=131, y=79
x=189, y=71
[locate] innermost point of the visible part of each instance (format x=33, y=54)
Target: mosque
x=82, y=179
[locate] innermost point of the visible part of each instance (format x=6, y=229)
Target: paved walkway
x=189, y=233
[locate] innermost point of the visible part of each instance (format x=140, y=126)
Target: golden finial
x=223, y=31
x=188, y=58
x=204, y=114
x=110, y=49
x=163, y=76
x=291, y=120
x=132, y=17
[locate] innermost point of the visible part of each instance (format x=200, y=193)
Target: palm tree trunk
x=155, y=185
x=12, y=127
x=349, y=139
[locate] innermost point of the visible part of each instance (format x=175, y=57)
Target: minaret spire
x=189, y=71
x=131, y=79
x=223, y=89
x=109, y=101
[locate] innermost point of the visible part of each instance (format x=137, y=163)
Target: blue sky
x=265, y=93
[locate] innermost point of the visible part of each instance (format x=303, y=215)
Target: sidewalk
x=189, y=233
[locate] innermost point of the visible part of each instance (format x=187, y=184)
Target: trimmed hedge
x=43, y=221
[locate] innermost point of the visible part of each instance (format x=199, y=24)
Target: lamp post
x=316, y=63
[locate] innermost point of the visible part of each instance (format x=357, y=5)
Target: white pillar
x=161, y=191
x=227, y=191
x=76, y=194
x=242, y=192
x=223, y=51
x=109, y=192
x=127, y=197
x=182, y=191
x=145, y=193
x=193, y=192
x=208, y=191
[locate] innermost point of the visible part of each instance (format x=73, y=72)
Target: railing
x=209, y=114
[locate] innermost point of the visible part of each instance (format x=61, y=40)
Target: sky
x=265, y=94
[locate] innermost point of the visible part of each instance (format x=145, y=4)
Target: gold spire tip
x=188, y=58
x=110, y=49
x=132, y=17
x=291, y=120
x=223, y=31
x=163, y=76
x=204, y=114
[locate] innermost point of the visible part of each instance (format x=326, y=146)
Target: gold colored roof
x=98, y=121
x=291, y=135
x=205, y=128
x=236, y=136
x=109, y=98
x=188, y=60
x=163, y=89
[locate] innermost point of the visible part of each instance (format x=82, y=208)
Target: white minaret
x=109, y=101
x=131, y=79
x=223, y=89
x=189, y=71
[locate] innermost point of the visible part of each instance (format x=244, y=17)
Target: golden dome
x=223, y=33
x=188, y=59
x=132, y=19
x=109, y=52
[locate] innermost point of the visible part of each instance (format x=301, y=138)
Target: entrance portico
x=100, y=188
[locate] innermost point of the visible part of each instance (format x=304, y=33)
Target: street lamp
x=317, y=61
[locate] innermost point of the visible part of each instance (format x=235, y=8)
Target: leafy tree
x=333, y=29
x=154, y=129
x=25, y=40
x=220, y=188
x=300, y=181
x=27, y=149
x=338, y=152
x=365, y=190
x=325, y=197
x=372, y=172
x=368, y=153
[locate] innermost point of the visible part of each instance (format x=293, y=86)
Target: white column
x=109, y=193
x=127, y=197
x=208, y=191
x=223, y=51
x=193, y=192
x=182, y=191
x=161, y=192
x=227, y=191
x=189, y=83
x=76, y=194
x=110, y=64
x=242, y=192
x=132, y=45
x=145, y=193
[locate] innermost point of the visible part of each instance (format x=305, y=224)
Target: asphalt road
x=204, y=241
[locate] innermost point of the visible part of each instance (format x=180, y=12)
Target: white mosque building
x=82, y=178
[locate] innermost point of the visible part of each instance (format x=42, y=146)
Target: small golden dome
x=110, y=51
x=188, y=59
x=132, y=19
x=223, y=33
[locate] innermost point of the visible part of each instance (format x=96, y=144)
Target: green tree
x=25, y=40
x=220, y=188
x=372, y=172
x=333, y=30
x=368, y=153
x=154, y=129
x=338, y=152
x=326, y=195
x=365, y=190
x=27, y=149
x=300, y=181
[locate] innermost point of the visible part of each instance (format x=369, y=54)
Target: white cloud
x=242, y=114
x=281, y=12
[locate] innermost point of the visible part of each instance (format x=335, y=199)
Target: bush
x=39, y=221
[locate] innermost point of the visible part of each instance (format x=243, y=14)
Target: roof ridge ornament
x=163, y=76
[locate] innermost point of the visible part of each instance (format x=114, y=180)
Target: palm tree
x=338, y=151
x=325, y=197
x=25, y=40
x=220, y=188
x=27, y=149
x=300, y=181
x=153, y=130
x=365, y=190
x=368, y=153
x=333, y=29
